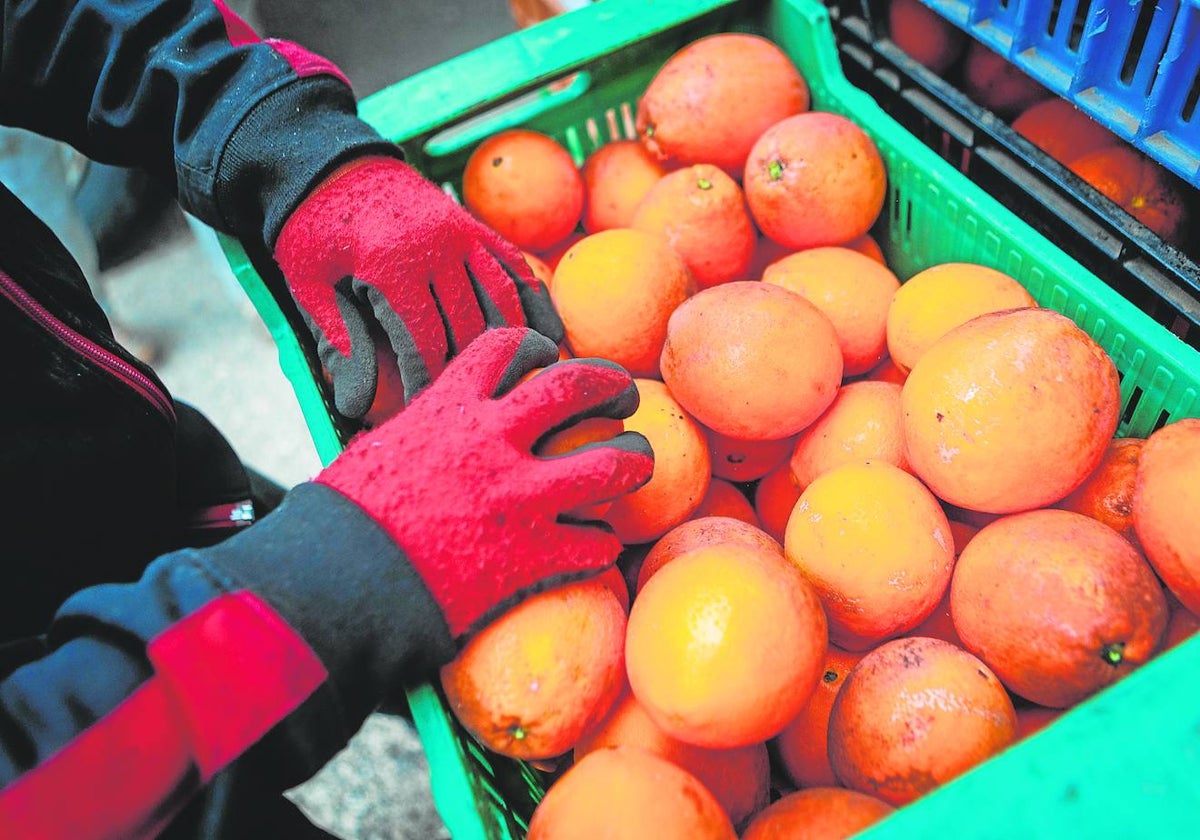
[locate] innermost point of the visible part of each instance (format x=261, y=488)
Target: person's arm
x=283, y=638
x=240, y=128
x=261, y=139
x=152, y=688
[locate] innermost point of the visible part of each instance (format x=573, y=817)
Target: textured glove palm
x=377, y=242
x=454, y=481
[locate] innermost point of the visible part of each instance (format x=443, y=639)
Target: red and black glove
x=376, y=241
x=454, y=481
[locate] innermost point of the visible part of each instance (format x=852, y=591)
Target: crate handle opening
x=516, y=111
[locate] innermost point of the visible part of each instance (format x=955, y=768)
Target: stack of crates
x=1124, y=763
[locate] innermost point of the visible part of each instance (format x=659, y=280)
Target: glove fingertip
x=539, y=309
x=534, y=351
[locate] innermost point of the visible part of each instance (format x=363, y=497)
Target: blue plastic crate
x=1131, y=65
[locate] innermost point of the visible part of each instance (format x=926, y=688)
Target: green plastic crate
x=1125, y=763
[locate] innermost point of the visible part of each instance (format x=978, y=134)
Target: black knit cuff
x=284, y=147
x=336, y=577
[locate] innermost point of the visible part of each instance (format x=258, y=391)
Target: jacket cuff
x=341, y=582
x=283, y=148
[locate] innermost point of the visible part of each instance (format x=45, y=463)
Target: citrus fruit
x=712, y=99
x=614, y=292
x=531, y=682
x=1010, y=411
x=803, y=745
x=526, y=186
x=819, y=813
x=876, y=545
x=1166, y=496
x=914, y=714
x=702, y=214
x=936, y=300
x=746, y=460
x=725, y=645
x=1106, y=495
x=616, y=178
x=701, y=532
x=751, y=360
x=1057, y=604
x=627, y=793
x=814, y=179
x=682, y=468
x=740, y=778
x=863, y=423
x=855, y=293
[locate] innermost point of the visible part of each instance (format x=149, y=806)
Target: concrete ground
x=217, y=355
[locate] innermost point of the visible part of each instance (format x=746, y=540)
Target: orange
x=868, y=247
x=697, y=533
x=616, y=178
x=541, y=270
x=526, y=186
x=1062, y=131
x=531, y=682
x=682, y=468
x=723, y=499
x=887, y=371
x=1058, y=605
x=940, y=624
x=876, y=545
x=803, y=745
x=863, y=423
x=924, y=34
x=614, y=291
x=746, y=460
x=996, y=84
x=1182, y=623
x=725, y=645
x=740, y=778
x=820, y=813
x=751, y=360
x=814, y=179
x=712, y=99
x=554, y=254
x=1140, y=186
x=855, y=293
x=774, y=498
x=628, y=793
x=934, y=301
x=615, y=581
x=1166, y=496
x=766, y=252
x=1033, y=719
x=1010, y=411
x=701, y=532
x=1106, y=494
x=914, y=714
x=702, y=213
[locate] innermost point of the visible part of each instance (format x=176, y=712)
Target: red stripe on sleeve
x=119, y=778
x=303, y=62
x=234, y=669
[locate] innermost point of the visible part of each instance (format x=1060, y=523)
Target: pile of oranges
x=889, y=530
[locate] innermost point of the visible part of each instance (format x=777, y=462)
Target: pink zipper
x=108, y=361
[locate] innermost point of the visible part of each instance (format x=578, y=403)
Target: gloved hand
x=376, y=240
x=454, y=481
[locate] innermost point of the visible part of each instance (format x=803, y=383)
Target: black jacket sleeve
x=241, y=128
x=268, y=643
